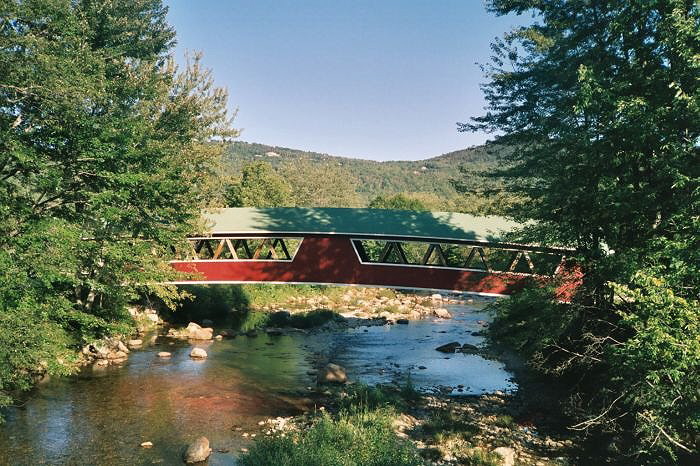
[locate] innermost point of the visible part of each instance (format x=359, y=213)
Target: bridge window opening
x=279, y=249
x=480, y=258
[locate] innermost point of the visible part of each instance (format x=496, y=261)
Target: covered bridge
x=370, y=247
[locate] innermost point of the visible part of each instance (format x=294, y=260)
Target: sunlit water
x=101, y=416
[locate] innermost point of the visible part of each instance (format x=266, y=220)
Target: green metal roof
x=359, y=222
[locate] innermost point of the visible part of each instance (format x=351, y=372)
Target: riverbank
x=491, y=429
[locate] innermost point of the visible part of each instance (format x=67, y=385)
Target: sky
x=376, y=79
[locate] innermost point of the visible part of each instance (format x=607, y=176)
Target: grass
x=505, y=421
x=260, y=296
x=355, y=438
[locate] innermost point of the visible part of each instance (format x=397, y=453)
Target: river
x=101, y=416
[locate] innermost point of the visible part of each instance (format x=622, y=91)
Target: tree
x=260, y=186
x=107, y=154
x=601, y=102
x=321, y=184
x=397, y=201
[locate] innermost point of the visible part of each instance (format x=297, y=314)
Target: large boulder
x=195, y=332
x=467, y=348
x=122, y=347
x=198, y=353
x=449, y=347
x=117, y=355
x=442, y=313
x=197, y=451
x=332, y=373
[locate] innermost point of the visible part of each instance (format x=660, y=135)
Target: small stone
x=218, y=338
x=147, y=444
x=134, y=343
x=198, y=353
x=244, y=450
x=198, y=451
x=422, y=367
x=402, y=321
x=122, y=347
x=164, y=354
x=101, y=363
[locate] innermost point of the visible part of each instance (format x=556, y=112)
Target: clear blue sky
x=385, y=80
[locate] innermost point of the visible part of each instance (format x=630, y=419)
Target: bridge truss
x=482, y=267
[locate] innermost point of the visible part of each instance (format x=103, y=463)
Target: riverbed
x=101, y=416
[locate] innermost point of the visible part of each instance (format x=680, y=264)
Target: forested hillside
x=430, y=180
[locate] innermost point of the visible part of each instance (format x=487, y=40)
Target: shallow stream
x=101, y=416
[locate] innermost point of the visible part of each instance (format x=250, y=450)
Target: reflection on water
x=102, y=416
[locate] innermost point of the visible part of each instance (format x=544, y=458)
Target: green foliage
x=105, y=162
x=215, y=302
x=658, y=367
x=396, y=201
x=359, y=438
x=260, y=186
x=372, y=397
x=321, y=180
x=260, y=296
x=602, y=102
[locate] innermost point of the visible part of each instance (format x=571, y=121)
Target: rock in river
x=198, y=353
x=198, y=450
x=442, y=313
x=332, y=373
x=467, y=348
x=164, y=354
x=196, y=332
x=449, y=347
x=135, y=343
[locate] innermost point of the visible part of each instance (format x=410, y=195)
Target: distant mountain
x=428, y=179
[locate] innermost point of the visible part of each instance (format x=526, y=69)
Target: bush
x=360, y=438
x=657, y=369
x=632, y=370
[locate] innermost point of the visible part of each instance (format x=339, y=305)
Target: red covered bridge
x=370, y=247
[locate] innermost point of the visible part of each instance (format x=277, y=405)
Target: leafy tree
x=105, y=161
x=321, y=185
x=601, y=101
x=397, y=201
x=260, y=186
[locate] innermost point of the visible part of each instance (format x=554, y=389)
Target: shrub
x=360, y=438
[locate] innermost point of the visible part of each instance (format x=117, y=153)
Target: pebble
x=146, y=444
